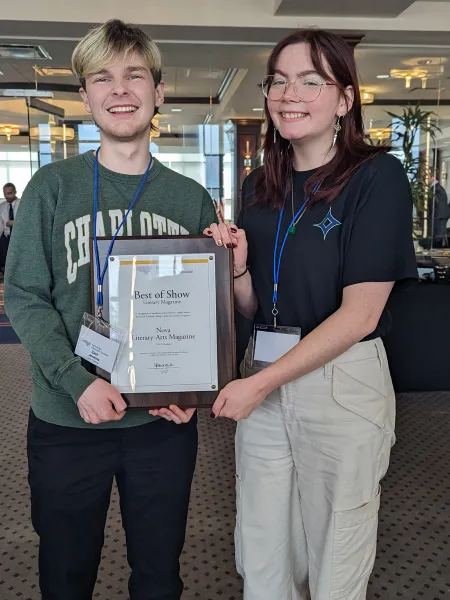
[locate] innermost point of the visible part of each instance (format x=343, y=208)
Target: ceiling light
x=367, y=97
x=1, y=73
x=154, y=131
x=22, y=51
x=177, y=109
x=409, y=74
x=9, y=130
x=383, y=76
x=258, y=109
x=52, y=133
x=53, y=71
x=380, y=133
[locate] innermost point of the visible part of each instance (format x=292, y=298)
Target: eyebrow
x=130, y=69
x=302, y=74
x=137, y=68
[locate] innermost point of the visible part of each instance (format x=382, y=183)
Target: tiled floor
x=413, y=554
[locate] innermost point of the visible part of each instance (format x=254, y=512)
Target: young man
x=79, y=436
x=8, y=211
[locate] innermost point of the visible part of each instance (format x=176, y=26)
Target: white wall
x=422, y=16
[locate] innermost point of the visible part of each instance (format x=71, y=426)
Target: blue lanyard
x=277, y=256
x=101, y=273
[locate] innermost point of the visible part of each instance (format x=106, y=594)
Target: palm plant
x=407, y=125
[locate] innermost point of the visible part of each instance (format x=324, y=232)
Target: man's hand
x=100, y=403
x=9, y=223
x=174, y=413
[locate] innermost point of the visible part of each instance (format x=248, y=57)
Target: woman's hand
x=230, y=236
x=239, y=399
x=174, y=413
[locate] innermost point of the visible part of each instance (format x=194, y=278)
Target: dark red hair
x=275, y=179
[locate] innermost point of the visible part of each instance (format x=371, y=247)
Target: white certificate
x=167, y=303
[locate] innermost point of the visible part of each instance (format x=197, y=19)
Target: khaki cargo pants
x=309, y=464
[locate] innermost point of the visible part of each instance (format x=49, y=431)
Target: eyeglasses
x=307, y=88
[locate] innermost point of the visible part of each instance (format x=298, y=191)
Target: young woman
x=324, y=236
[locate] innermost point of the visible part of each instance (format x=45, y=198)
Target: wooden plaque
x=225, y=330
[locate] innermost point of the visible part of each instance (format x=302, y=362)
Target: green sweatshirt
x=47, y=281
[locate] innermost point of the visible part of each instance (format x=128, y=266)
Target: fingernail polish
x=233, y=229
x=234, y=245
x=229, y=246
x=212, y=415
x=209, y=232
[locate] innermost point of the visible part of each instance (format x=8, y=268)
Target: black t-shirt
x=364, y=235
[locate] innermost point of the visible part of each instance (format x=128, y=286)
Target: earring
x=337, y=129
x=274, y=135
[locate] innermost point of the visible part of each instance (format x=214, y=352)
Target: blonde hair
x=111, y=42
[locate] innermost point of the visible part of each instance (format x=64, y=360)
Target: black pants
x=4, y=243
x=71, y=473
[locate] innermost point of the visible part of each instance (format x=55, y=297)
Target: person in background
x=323, y=238
x=8, y=211
x=439, y=212
x=80, y=438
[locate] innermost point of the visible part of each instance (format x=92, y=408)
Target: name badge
x=271, y=343
x=99, y=343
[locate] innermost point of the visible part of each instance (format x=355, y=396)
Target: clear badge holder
x=271, y=342
x=100, y=343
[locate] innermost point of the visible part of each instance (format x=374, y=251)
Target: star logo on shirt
x=327, y=224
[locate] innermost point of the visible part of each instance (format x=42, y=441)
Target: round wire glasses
x=307, y=88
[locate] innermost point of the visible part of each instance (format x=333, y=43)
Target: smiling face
x=297, y=119
x=122, y=98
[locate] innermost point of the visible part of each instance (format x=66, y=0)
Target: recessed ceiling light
x=1, y=73
x=258, y=109
x=176, y=109
x=383, y=76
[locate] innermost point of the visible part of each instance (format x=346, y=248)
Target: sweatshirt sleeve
x=209, y=215
x=28, y=297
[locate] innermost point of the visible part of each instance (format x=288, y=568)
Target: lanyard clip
x=100, y=301
x=275, y=314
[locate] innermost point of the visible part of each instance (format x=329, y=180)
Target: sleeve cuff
x=75, y=380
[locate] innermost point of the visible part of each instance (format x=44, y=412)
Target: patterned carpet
x=413, y=559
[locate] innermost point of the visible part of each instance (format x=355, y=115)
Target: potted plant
x=406, y=127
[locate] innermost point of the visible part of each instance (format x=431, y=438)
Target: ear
x=85, y=98
x=346, y=101
x=159, y=95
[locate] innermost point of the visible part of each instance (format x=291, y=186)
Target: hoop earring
x=337, y=129
x=274, y=135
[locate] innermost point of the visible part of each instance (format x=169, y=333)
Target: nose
x=289, y=92
x=120, y=87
